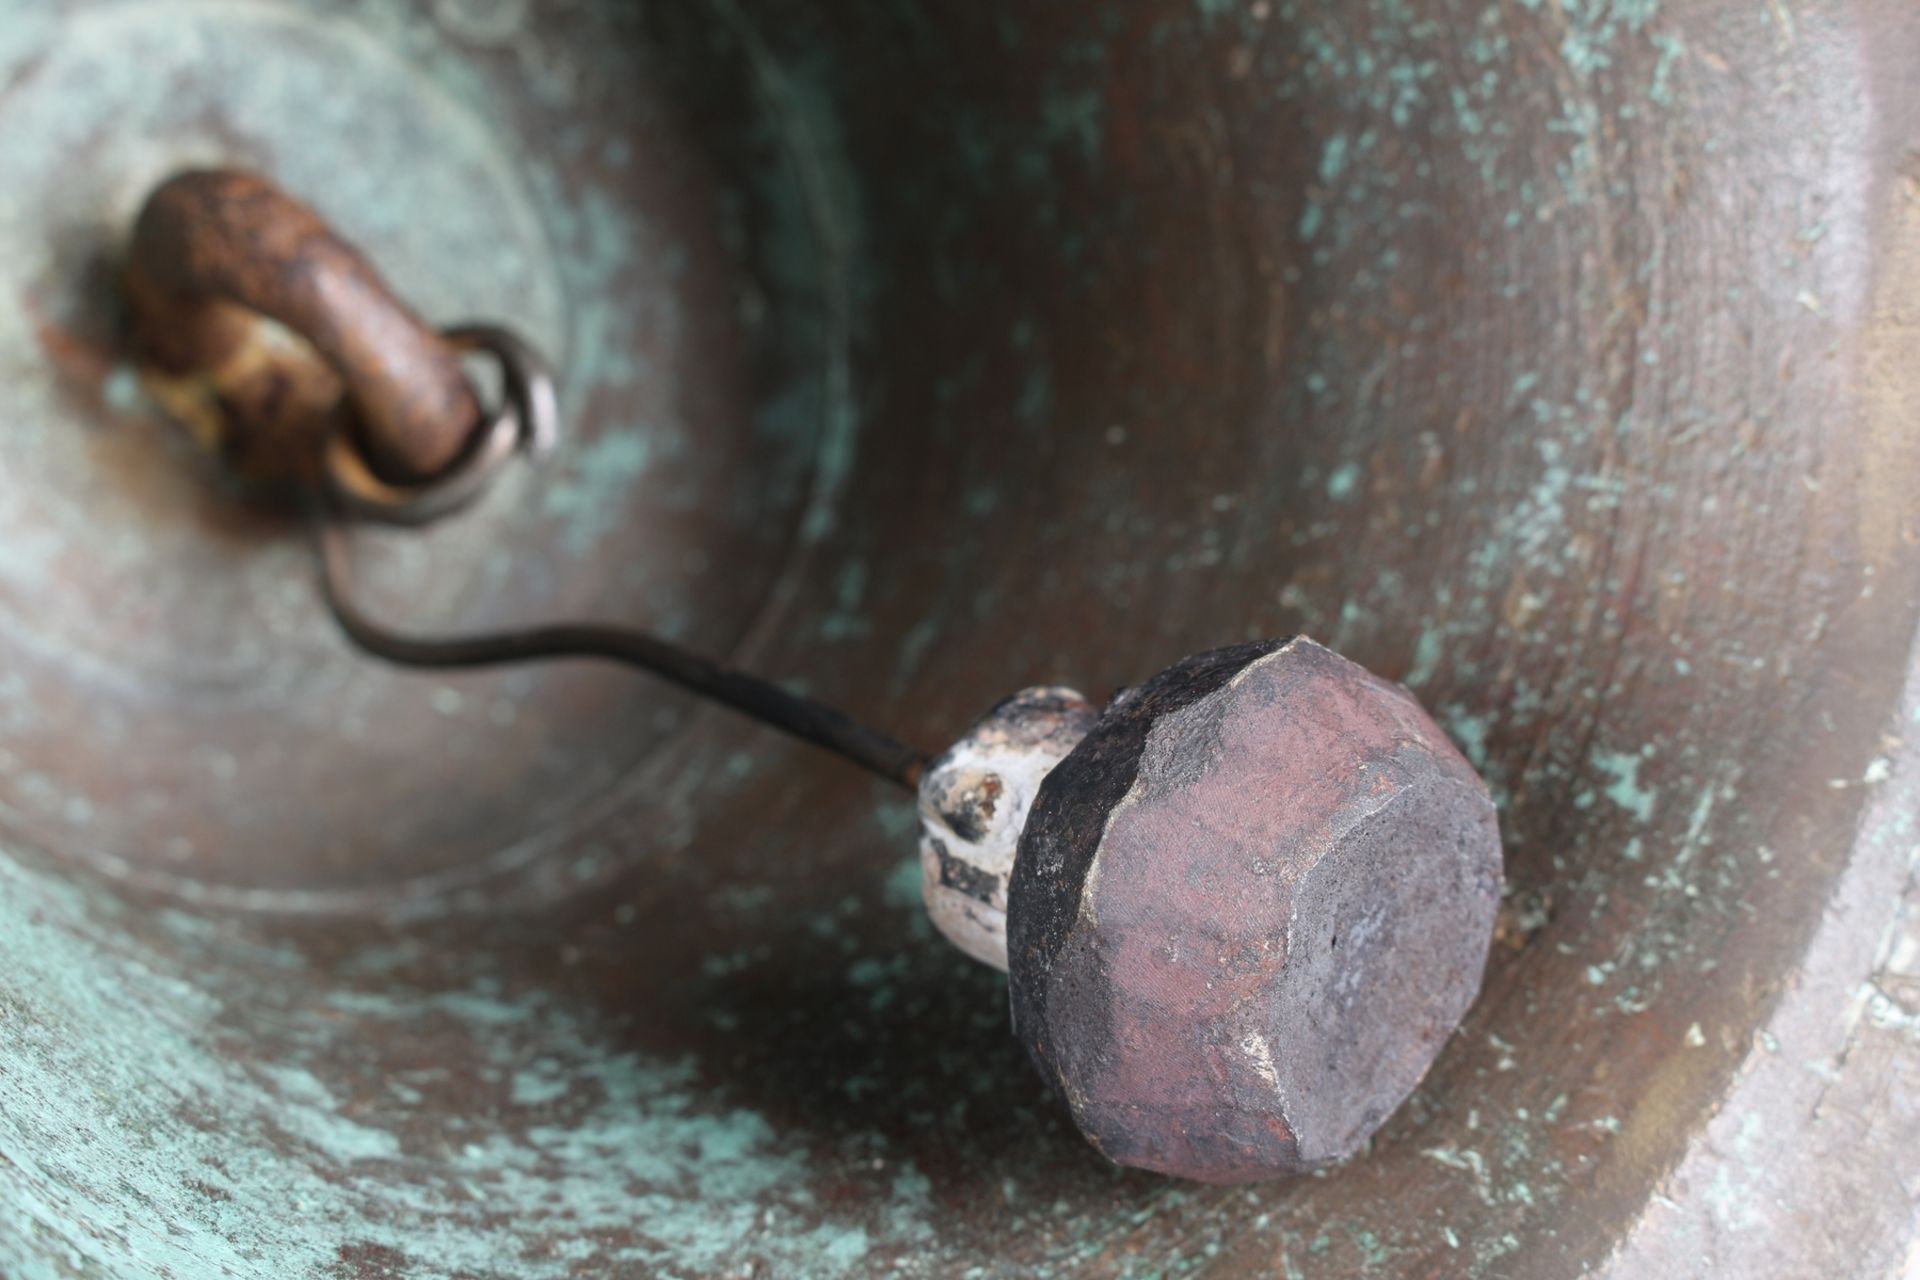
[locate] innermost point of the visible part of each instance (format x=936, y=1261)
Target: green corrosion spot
x=1625, y=790
x=1333, y=158
x=1310, y=219
x=1426, y=657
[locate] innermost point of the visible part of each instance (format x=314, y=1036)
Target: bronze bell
x=1548, y=362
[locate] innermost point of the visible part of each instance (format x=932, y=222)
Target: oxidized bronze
x=1555, y=360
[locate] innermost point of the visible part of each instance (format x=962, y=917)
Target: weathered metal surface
x=1556, y=359
x=1248, y=911
x=213, y=253
x=227, y=717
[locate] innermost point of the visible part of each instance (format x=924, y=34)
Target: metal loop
x=526, y=421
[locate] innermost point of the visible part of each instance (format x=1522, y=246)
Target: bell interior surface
x=1558, y=361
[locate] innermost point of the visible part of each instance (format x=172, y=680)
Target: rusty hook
x=213, y=253
x=216, y=251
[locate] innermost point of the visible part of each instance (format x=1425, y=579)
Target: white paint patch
x=1255, y=1046
x=974, y=802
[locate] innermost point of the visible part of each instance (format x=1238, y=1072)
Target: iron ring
x=526, y=421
